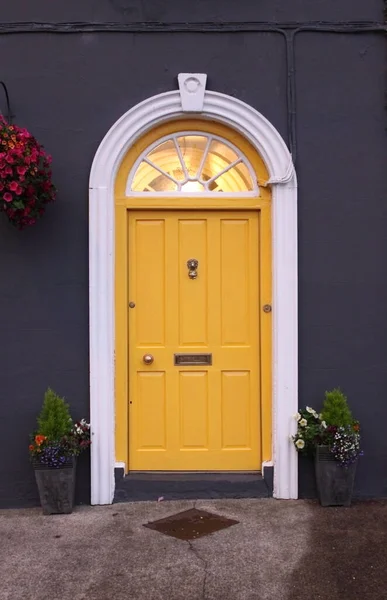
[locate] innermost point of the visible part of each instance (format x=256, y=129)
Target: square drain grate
x=191, y=524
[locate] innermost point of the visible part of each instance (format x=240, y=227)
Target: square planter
x=56, y=487
x=334, y=482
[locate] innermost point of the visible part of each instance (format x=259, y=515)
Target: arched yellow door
x=193, y=271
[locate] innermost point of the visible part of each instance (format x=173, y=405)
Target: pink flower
x=13, y=186
x=24, y=133
x=7, y=197
x=1, y=187
x=19, y=190
x=46, y=186
x=9, y=159
x=8, y=170
x=21, y=170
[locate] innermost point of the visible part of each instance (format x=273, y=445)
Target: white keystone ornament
x=192, y=87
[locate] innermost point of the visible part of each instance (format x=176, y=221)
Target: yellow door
x=197, y=405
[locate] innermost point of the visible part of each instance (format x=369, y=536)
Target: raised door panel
x=193, y=296
x=149, y=281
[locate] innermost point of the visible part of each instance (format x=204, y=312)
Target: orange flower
x=39, y=439
x=356, y=427
x=31, y=447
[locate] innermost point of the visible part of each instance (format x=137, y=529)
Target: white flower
x=320, y=416
x=297, y=416
x=310, y=410
x=300, y=444
x=324, y=424
x=315, y=414
x=303, y=422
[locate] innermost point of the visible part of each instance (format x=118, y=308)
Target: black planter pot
x=56, y=487
x=334, y=482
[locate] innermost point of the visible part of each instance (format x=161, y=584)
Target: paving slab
x=279, y=550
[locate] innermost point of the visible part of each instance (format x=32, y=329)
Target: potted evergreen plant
x=333, y=437
x=53, y=451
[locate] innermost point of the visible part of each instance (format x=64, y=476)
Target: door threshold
x=192, y=485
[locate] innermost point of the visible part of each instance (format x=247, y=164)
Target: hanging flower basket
x=25, y=176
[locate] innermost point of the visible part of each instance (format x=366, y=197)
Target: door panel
x=194, y=417
x=150, y=276
x=235, y=273
x=151, y=417
x=236, y=388
x=193, y=244
x=193, y=405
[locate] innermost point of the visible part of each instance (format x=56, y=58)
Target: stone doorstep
x=192, y=486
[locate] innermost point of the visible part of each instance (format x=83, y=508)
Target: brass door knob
x=148, y=359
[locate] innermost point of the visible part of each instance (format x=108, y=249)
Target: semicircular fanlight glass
x=192, y=163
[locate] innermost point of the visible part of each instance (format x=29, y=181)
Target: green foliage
x=54, y=420
x=336, y=410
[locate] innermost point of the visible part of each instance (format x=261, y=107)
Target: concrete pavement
x=280, y=550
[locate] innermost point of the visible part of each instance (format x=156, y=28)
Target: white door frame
x=192, y=98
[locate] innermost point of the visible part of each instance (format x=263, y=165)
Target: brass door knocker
x=192, y=265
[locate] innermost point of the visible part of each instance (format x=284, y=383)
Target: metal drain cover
x=191, y=524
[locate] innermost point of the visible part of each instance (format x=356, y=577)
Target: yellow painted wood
x=194, y=417
x=195, y=203
x=265, y=277
x=121, y=338
x=184, y=388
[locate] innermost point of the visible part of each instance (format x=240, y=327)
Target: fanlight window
x=193, y=163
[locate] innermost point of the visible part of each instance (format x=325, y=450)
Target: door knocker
x=192, y=265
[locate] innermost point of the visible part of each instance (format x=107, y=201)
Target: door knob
x=148, y=359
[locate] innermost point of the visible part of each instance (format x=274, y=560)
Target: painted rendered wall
x=199, y=10
x=69, y=89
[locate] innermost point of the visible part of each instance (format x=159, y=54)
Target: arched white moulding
x=270, y=145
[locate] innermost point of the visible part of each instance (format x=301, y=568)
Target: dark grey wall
x=199, y=10
x=69, y=89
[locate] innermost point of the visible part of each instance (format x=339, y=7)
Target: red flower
x=13, y=186
x=7, y=197
x=46, y=186
x=39, y=439
x=21, y=170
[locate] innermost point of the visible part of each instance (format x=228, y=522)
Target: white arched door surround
x=190, y=99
